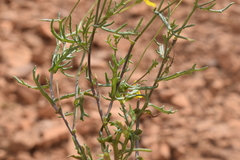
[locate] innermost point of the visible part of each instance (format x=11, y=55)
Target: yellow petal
x=150, y=3
x=139, y=96
x=138, y=92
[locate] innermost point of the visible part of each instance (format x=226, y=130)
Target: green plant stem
x=137, y=127
x=76, y=89
x=52, y=92
x=131, y=148
x=74, y=7
x=73, y=133
x=115, y=145
x=90, y=47
x=99, y=104
x=101, y=12
x=89, y=62
x=125, y=113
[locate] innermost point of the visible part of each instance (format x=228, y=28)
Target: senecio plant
x=119, y=140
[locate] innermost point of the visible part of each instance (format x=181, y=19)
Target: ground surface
x=206, y=127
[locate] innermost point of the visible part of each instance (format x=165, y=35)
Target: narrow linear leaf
x=79, y=103
x=66, y=96
x=29, y=86
x=178, y=74
x=164, y=20
x=209, y=8
x=143, y=88
x=161, y=109
x=40, y=87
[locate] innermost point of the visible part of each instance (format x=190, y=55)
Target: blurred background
x=206, y=126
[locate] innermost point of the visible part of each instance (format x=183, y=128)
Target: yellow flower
x=138, y=92
x=150, y=3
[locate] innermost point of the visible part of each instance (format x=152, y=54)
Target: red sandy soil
x=206, y=126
